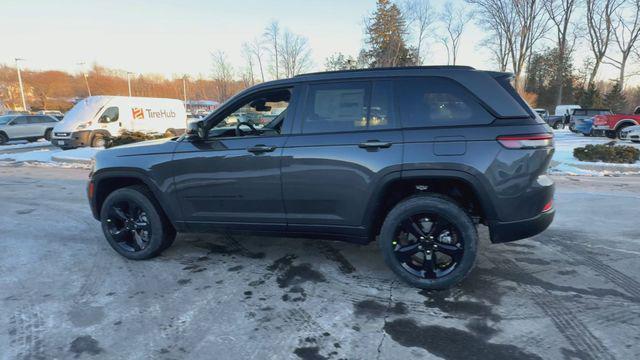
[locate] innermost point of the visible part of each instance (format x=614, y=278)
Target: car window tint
x=336, y=107
x=434, y=101
x=22, y=120
x=112, y=113
x=381, y=111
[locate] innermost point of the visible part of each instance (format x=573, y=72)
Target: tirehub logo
x=138, y=113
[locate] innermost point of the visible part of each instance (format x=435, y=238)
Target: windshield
x=6, y=119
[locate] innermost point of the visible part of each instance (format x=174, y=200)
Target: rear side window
x=425, y=102
x=336, y=107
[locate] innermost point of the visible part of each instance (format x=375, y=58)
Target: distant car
x=26, y=127
x=585, y=127
x=631, y=133
x=55, y=113
x=612, y=125
x=556, y=122
x=579, y=115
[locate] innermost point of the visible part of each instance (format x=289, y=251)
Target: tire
x=47, y=134
x=3, y=138
x=556, y=125
x=162, y=234
x=611, y=134
x=619, y=130
x=98, y=140
x=440, y=207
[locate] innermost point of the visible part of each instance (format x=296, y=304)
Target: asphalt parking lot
x=572, y=292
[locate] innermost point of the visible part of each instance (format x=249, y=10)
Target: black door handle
x=261, y=149
x=374, y=144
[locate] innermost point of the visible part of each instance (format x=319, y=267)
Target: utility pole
x=129, y=73
x=184, y=89
x=24, y=102
x=84, y=73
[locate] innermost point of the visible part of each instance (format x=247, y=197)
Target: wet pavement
x=572, y=292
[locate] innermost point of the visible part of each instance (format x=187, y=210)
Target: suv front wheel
x=429, y=241
x=134, y=225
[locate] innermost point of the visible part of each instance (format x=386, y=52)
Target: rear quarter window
x=434, y=101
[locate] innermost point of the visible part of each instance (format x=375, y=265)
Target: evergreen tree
x=615, y=100
x=386, y=33
x=590, y=97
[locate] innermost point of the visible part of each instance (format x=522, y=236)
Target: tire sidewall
x=157, y=229
x=96, y=138
x=3, y=138
x=450, y=211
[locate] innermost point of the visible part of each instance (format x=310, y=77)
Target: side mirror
x=195, y=129
x=105, y=119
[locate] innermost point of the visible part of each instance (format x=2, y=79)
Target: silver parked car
x=26, y=127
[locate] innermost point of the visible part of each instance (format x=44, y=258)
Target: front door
x=111, y=121
x=232, y=179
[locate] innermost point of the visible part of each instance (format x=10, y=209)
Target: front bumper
x=501, y=232
x=72, y=140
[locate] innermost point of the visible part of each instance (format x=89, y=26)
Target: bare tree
x=421, y=17
x=257, y=50
x=272, y=34
x=559, y=12
x=600, y=27
x=222, y=74
x=454, y=19
x=247, y=53
x=295, y=53
x=626, y=33
x=523, y=24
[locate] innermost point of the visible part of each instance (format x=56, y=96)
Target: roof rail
x=429, y=67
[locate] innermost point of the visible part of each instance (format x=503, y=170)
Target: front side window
x=434, y=101
x=259, y=114
x=22, y=120
x=336, y=107
x=110, y=115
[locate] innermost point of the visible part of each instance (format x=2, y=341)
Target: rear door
x=20, y=127
x=345, y=140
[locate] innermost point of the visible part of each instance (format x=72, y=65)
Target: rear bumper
x=516, y=230
x=74, y=140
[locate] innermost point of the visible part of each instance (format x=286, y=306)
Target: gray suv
x=413, y=158
x=26, y=127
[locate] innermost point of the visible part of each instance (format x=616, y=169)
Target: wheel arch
x=462, y=187
x=106, y=182
x=625, y=122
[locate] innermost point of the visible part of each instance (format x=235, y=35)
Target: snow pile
x=80, y=157
x=23, y=144
x=563, y=161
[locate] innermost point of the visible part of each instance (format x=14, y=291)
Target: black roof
x=430, y=67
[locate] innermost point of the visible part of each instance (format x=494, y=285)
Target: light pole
x=129, y=73
x=24, y=102
x=184, y=89
x=84, y=73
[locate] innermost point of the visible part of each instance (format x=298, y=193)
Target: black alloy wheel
x=129, y=226
x=428, y=246
x=429, y=241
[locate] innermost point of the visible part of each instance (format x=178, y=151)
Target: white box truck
x=93, y=119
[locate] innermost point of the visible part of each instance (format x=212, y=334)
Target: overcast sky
x=178, y=37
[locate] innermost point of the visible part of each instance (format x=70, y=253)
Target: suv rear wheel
x=429, y=242
x=134, y=224
x=3, y=138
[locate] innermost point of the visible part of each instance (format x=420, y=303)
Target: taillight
x=526, y=141
x=548, y=206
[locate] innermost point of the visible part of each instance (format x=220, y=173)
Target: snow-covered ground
x=564, y=163
x=23, y=144
x=80, y=157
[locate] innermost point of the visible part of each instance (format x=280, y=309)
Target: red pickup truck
x=611, y=125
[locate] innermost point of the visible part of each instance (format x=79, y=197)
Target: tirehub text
x=151, y=114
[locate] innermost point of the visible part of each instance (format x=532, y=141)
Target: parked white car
x=631, y=133
x=96, y=118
